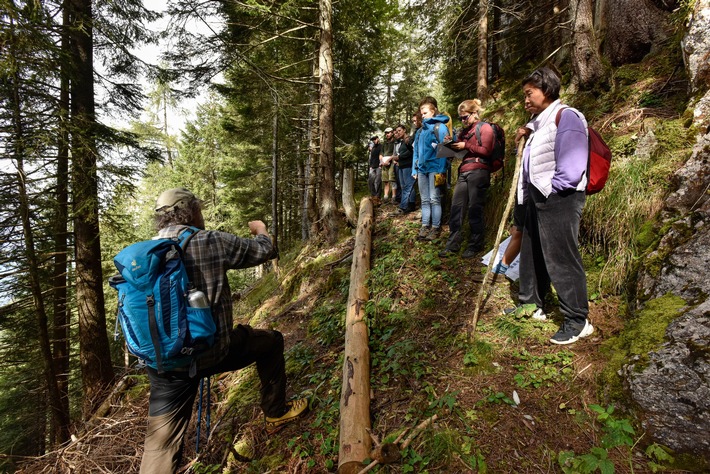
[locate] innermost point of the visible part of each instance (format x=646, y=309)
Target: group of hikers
x=549, y=201
x=549, y=205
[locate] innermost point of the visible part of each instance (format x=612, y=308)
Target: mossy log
x=355, y=442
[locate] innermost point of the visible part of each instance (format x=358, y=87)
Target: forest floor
x=506, y=401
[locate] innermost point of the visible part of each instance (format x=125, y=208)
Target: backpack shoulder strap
x=559, y=115
x=479, y=125
x=187, y=235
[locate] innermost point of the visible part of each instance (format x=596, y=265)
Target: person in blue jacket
x=426, y=166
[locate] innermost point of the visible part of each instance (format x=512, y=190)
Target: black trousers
x=469, y=196
x=550, y=253
x=172, y=394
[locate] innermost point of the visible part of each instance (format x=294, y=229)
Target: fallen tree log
x=355, y=442
x=348, y=196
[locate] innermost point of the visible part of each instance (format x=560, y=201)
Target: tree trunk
x=61, y=218
x=482, y=83
x=494, y=60
x=633, y=29
x=586, y=61
x=59, y=416
x=96, y=368
x=348, y=196
x=355, y=442
x=313, y=156
x=328, y=206
x=275, y=229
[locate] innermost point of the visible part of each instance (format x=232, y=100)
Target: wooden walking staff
x=355, y=441
x=501, y=227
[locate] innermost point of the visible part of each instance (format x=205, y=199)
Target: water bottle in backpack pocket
x=158, y=323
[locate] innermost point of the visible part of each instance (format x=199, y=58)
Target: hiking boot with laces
x=423, y=232
x=295, y=410
x=569, y=334
x=470, y=252
x=434, y=234
x=447, y=252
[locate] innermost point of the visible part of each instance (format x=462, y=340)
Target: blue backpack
x=159, y=325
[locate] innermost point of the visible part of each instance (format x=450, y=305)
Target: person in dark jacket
x=474, y=178
x=374, y=178
x=404, y=149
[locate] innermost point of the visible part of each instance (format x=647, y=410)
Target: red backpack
x=599, y=160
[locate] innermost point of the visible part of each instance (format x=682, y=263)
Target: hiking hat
x=389, y=129
x=173, y=199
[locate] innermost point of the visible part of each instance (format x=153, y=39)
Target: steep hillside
x=506, y=401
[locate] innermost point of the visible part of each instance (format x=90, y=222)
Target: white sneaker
x=539, y=315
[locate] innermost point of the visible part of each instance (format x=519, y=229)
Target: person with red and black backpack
x=552, y=185
x=474, y=178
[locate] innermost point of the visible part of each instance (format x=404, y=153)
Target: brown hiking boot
x=434, y=234
x=296, y=409
x=423, y=232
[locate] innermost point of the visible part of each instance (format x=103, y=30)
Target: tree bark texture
x=327, y=205
x=96, y=368
x=355, y=441
x=482, y=82
x=632, y=29
x=348, y=196
x=586, y=60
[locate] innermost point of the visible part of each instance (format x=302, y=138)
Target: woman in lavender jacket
x=552, y=182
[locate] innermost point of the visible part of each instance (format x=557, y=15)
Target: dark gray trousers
x=550, y=253
x=469, y=197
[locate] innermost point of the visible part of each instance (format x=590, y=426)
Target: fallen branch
x=387, y=453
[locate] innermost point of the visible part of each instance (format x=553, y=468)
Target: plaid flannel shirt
x=208, y=256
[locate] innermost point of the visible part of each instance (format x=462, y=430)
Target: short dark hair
x=399, y=125
x=180, y=216
x=546, y=80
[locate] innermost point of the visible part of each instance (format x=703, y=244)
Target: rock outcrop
x=696, y=47
x=672, y=390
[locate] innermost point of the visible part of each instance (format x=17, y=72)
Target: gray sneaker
x=434, y=234
x=423, y=233
x=568, y=334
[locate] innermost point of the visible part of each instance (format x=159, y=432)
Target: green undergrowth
x=422, y=362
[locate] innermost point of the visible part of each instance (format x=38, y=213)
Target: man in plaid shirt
x=207, y=258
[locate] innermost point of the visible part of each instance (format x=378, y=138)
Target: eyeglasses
x=464, y=118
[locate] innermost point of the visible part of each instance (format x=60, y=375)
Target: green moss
x=640, y=336
x=646, y=236
x=479, y=358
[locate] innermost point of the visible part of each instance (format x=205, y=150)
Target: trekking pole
x=199, y=415
x=501, y=228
